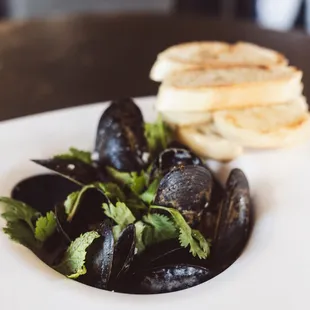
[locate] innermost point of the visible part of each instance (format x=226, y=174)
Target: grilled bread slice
x=275, y=126
x=181, y=119
x=206, y=142
x=220, y=89
x=208, y=54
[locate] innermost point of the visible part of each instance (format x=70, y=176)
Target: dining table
x=71, y=60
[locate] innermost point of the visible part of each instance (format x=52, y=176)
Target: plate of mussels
x=102, y=207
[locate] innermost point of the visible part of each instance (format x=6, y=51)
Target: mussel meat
x=187, y=189
x=120, y=141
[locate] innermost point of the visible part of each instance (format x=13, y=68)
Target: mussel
x=170, y=278
x=123, y=256
x=73, y=169
x=43, y=192
x=173, y=157
x=86, y=216
x=187, y=189
x=120, y=141
x=234, y=220
x=99, y=258
x=107, y=263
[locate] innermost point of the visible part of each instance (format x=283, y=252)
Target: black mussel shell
x=177, y=145
x=73, y=169
x=155, y=254
x=123, y=256
x=43, y=192
x=99, y=258
x=120, y=141
x=168, y=252
x=53, y=249
x=173, y=157
x=170, y=278
x=187, y=189
x=233, y=228
x=88, y=215
x=210, y=215
x=61, y=222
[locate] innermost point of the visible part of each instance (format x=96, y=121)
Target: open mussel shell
x=170, y=278
x=120, y=141
x=234, y=220
x=99, y=258
x=43, y=191
x=87, y=216
x=187, y=189
x=123, y=256
x=168, y=252
x=72, y=169
x=173, y=157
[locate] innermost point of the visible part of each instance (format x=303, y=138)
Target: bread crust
x=213, y=54
x=182, y=92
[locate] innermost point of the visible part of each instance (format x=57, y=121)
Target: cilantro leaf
x=70, y=201
x=21, y=233
x=117, y=229
x=120, y=213
x=158, y=135
x=74, y=153
x=73, y=262
x=139, y=236
x=134, y=181
x=73, y=200
x=158, y=228
x=134, y=203
x=112, y=191
x=15, y=210
x=45, y=226
x=188, y=237
x=149, y=195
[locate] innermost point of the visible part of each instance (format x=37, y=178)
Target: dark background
x=237, y=9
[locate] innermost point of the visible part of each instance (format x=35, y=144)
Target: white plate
x=272, y=273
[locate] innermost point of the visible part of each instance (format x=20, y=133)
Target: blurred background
x=274, y=14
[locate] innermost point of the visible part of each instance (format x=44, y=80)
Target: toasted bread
x=206, y=142
x=186, y=118
x=195, y=55
x=218, y=89
x=266, y=127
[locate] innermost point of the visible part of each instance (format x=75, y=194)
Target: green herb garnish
x=45, y=226
x=188, y=237
x=74, y=153
x=73, y=262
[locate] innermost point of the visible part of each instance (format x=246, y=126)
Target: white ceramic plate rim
x=273, y=272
